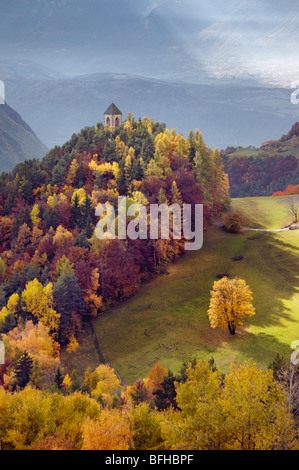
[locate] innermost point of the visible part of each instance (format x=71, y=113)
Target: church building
x=112, y=116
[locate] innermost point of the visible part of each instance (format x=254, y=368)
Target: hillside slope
x=265, y=170
x=154, y=324
x=17, y=140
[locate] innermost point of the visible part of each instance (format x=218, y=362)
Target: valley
x=167, y=319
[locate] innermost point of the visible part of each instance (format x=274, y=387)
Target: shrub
x=232, y=222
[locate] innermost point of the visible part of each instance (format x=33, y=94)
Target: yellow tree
x=11, y=307
x=120, y=146
x=146, y=427
x=36, y=237
x=220, y=181
x=30, y=416
x=34, y=215
x=37, y=341
x=255, y=410
x=3, y=268
x=27, y=405
x=199, y=424
x=62, y=237
x=39, y=302
x=63, y=266
x=155, y=376
x=81, y=194
x=230, y=303
x=153, y=170
x=93, y=301
x=71, y=176
x=104, y=383
x=129, y=128
x=233, y=221
x=245, y=410
x=111, y=431
x=169, y=142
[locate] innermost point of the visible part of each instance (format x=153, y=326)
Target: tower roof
x=112, y=110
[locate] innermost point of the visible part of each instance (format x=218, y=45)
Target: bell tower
x=112, y=116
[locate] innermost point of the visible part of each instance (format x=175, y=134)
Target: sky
x=236, y=44
x=183, y=39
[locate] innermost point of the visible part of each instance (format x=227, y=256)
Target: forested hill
x=265, y=170
x=17, y=140
x=48, y=247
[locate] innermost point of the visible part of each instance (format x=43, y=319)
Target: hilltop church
x=112, y=116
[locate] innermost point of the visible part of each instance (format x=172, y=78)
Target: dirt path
x=290, y=227
x=244, y=229
x=218, y=222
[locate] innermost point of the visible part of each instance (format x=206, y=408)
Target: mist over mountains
x=222, y=67
x=226, y=114
x=184, y=39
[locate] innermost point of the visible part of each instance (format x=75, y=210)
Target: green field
x=281, y=149
x=167, y=320
x=245, y=152
x=264, y=212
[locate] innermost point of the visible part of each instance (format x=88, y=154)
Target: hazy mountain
x=24, y=69
x=226, y=114
x=208, y=64
x=80, y=37
x=17, y=140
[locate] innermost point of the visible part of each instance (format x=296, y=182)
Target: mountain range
x=227, y=113
x=17, y=140
x=222, y=67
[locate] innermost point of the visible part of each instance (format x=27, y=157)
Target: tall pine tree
x=23, y=370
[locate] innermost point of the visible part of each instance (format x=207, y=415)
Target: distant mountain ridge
x=26, y=70
x=17, y=140
x=227, y=114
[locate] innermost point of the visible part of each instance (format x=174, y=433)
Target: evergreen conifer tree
x=23, y=369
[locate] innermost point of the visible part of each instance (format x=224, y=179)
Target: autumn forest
x=57, y=276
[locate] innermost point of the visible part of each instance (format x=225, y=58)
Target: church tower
x=112, y=116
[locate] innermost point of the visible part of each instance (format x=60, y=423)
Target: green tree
x=87, y=217
x=81, y=239
x=8, y=324
x=69, y=302
x=23, y=369
x=165, y=395
x=76, y=211
x=58, y=380
x=25, y=189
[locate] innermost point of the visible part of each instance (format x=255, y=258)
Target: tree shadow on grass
x=269, y=263
x=168, y=320
x=249, y=209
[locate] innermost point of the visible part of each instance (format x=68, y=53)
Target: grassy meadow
x=167, y=320
x=264, y=212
